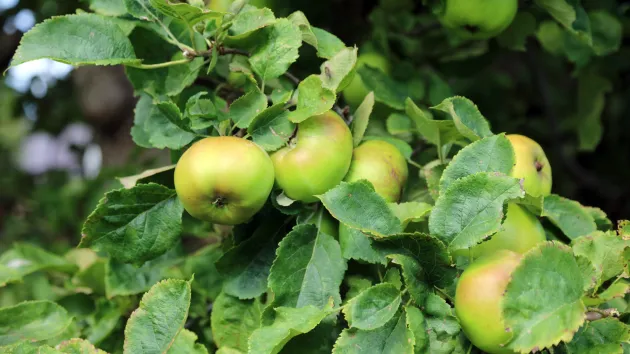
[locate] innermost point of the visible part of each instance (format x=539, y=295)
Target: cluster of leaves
x=278, y=283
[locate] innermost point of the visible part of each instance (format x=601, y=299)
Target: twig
x=292, y=77
x=160, y=65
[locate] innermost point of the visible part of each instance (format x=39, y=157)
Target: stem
x=160, y=65
x=292, y=77
x=413, y=163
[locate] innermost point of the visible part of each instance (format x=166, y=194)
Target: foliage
x=138, y=284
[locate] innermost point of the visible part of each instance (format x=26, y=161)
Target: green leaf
x=78, y=346
x=386, y=90
x=570, y=14
x=201, y=264
x=106, y=318
x=108, y=7
x=245, y=108
x=374, y=307
x=8, y=275
x=362, y=118
x=154, y=49
x=543, y=305
x=122, y=279
x=338, y=71
x=148, y=176
x=358, y=206
x=436, y=132
x=600, y=217
x=392, y=338
x=271, y=129
x=81, y=39
x=185, y=344
x=313, y=99
x=478, y=201
x=427, y=250
x=155, y=324
x=418, y=328
x=410, y=211
x=246, y=266
x=569, y=216
x=32, y=321
x=515, y=37
x=278, y=51
x=288, y=323
x=234, y=320
x=413, y=274
x=142, y=9
x=605, y=251
x=308, y=269
x=135, y=225
x=392, y=276
x=432, y=173
x=185, y=12
x=23, y=259
x=201, y=112
x=249, y=21
x=399, y=124
x=607, y=32
x=601, y=336
x=491, y=154
x=327, y=43
x=592, y=90
x=320, y=340
x=468, y=120
x=159, y=126
x=308, y=36
x=357, y=245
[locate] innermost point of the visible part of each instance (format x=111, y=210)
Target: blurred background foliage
x=64, y=134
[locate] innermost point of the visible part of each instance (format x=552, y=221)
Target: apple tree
x=343, y=211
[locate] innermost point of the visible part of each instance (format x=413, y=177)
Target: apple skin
x=224, y=180
x=531, y=165
x=356, y=91
x=383, y=165
x=520, y=232
x=478, y=300
x=316, y=159
x=478, y=19
x=324, y=222
x=219, y=5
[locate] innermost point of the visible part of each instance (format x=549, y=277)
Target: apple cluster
x=227, y=180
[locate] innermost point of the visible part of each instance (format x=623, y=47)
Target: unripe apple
x=224, y=180
x=531, y=165
x=316, y=159
x=479, y=300
x=356, y=91
x=383, y=165
x=520, y=232
x=478, y=19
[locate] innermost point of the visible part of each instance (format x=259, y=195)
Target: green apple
x=356, y=91
x=224, y=180
x=479, y=299
x=323, y=220
x=383, y=165
x=219, y=5
x=478, y=19
x=316, y=159
x=520, y=232
x=531, y=165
